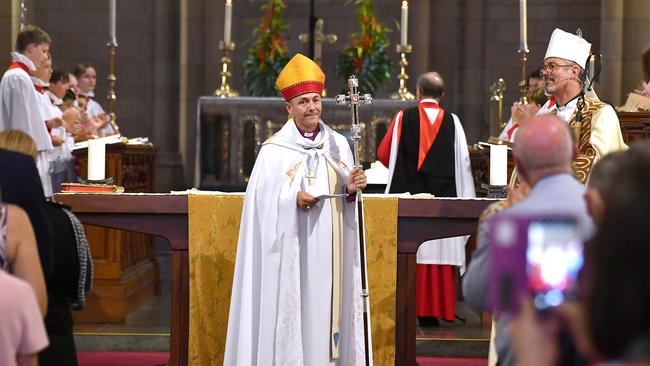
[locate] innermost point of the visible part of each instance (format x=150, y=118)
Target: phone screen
x=553, y=259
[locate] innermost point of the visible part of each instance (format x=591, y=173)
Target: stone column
x=624, y=35
x=9, y=22
x=165, y=64
x=420, y=33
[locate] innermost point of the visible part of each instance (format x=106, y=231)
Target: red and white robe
x=426, y=152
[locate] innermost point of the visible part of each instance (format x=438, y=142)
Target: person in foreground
x=543, y=153
x=295, y=297
x=610, y=321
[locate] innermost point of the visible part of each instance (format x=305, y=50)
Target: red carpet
x=122, y=358
x=450, y=361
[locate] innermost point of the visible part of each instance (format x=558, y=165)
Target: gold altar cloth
x=213, y=230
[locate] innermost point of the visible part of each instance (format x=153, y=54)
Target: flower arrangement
x=365, y=55
x=268, y=55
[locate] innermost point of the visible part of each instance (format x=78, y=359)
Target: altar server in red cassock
x=19, y=105
x=426, y=152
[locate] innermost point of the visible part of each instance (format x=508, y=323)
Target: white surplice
x=19, y=110
x=280, y=307
x=449, y=251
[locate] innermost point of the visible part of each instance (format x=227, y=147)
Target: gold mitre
x=300, y=76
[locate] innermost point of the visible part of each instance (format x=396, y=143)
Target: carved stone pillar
x=624, y=29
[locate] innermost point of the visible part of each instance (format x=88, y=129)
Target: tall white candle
x=498, y=165
x=523, y=32
x=112, y=16
x=227, y=24
x=96, y=159
x=405, y=22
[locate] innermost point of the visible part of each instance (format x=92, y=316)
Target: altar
x=202, y=232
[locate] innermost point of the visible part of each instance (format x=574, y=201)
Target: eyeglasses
x=550, y=67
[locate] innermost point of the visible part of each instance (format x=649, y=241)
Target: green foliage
x=366, y=53
x=268, y=55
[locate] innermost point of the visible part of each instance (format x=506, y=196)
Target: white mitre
x=569, y=47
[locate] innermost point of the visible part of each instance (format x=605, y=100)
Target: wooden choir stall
x=126, y=273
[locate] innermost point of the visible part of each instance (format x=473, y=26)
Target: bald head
x=72, y=120
x=430, y=85
x=543, y=147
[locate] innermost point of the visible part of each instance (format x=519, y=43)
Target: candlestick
x=523, y=26
x=112, y=78
x=523, y=51
x=96, y=159
x=404, y=23
x=225, y=91
x=112, y=16
x=227, y=24
x=498, y=165
x=402, y=92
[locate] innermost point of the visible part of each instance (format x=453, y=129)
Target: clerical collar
x=19, y=57
x=570, y=104
x=309, y=135
x=90, y=94
x=429, y=100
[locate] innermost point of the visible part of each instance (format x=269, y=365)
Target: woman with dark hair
x=611, y=319
x=601, y=179
x=617, y=291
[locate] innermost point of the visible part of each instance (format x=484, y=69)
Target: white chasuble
x=281, y=303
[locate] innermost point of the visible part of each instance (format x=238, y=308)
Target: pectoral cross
x=309, y=176
x=319, y=38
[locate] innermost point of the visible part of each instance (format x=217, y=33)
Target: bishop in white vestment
x=296, y=289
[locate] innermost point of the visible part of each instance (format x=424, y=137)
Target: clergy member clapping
x=295, y=297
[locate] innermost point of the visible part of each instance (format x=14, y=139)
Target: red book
x=90, y=188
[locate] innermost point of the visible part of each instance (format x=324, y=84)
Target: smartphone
x=536, y=255
x=554, y=257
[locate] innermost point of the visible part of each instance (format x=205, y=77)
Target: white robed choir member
x=296, y=290
x=20, y=109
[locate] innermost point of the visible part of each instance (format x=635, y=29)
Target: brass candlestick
x=523, y=84
x=112, y=97
x=225, y=91
x=402, y=92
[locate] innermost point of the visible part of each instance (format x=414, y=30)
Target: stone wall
x=168, y=53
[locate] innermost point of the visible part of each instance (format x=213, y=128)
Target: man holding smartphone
x=543, y=153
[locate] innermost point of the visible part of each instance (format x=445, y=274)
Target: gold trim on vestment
x=291, y=173
x=587, y=155
x=337, y=261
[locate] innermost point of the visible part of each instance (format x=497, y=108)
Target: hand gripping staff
x=353, y=100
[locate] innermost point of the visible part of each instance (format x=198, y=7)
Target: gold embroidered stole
x=336, y=205
x=587, y=155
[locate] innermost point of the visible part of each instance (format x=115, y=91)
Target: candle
x=498, y=165
x=112, y=16
x=96, y=159
x=523, y=36
x=405, y=22
x=227, y=24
